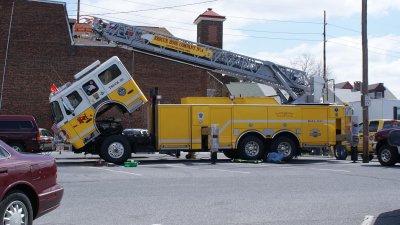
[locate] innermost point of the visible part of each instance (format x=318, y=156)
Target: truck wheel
x=229, y=153
x=251, y=148
x=285, y=146
x=16, y=209
x=340, y=152
x=387, y=155
x=115, y=149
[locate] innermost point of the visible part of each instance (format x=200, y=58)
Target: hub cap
x=386, y=155
x=16, y=214
x=116, y=150
x=16, y=148
x=285, y=149
x=252, y=148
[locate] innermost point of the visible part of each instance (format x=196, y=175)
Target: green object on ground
x=246, y=161
x=131, y=163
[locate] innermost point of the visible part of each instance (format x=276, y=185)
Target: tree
x=309, y=64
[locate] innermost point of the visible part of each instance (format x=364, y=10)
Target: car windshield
x=56, y=111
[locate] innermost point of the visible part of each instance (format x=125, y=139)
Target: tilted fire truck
x=249, y=128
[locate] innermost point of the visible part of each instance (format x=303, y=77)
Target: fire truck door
x=80, y=114
x=222, y=115
x=315, y=125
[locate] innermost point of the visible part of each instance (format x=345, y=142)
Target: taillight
x=38, y=137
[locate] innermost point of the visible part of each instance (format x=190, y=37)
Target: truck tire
x=115, y=149
x=251, y=148
x=285, y=146
x=16, y=206
x=230, y=153
x=387, y=155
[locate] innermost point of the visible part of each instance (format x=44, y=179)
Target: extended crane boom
x=294, y=82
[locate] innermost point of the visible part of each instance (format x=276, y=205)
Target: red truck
x=387, y=146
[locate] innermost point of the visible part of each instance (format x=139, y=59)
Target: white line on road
x=345, y=171
x=115, y=171
x=368, y=220
x=196, y=168
x=232, y=171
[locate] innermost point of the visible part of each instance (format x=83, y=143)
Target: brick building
x=41, y=51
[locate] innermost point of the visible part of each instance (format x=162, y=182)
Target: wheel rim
x=16, y=213
x=116, y=150
x=252, y=148
x=386, y=155
x=17, y=148
x=285, y=149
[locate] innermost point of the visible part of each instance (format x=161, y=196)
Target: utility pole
x=365, y=101
x=324, y=75
x=78, y=12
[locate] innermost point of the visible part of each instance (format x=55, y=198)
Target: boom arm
x=294, y=82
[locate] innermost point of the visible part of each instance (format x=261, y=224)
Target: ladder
x=294, y=82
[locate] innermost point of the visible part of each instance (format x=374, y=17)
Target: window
x=373, y=126
x=90, y=87
x=109, y=74
x=26, y=125
x=390, y=124
x=3, y=153
x=378, y=94
x=16, y=125
x=56, y=112
x=75, y=99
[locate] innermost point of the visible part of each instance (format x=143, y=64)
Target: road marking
x=368, y=220
x=186, y=167
x=115, y=171
x=231, y=171
x=345, y=171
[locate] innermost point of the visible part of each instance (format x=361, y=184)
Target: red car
x=28, y=186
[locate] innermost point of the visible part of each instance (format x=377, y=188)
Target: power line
x=275, y=20
x=227, y=28
x=236, y=35
x=160, y=8
x=191, y=11
x=359, y=32
x=374, y=52
x=382, y=49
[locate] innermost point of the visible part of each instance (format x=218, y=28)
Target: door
x=200, y=118
x=222, y=115
x=315, y=124
x=81, y=114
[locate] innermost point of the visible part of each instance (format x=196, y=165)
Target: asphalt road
x=168, y=191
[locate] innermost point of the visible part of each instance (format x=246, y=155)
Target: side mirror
x=394, y=138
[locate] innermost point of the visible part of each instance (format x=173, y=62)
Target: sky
x=279, y=31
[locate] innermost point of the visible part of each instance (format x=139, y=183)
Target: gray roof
x=346, y=95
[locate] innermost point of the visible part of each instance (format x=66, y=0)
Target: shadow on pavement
x=388, y=218
x=166, y=159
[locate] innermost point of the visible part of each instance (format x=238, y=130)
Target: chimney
x=357, y=85
x=210, y=28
